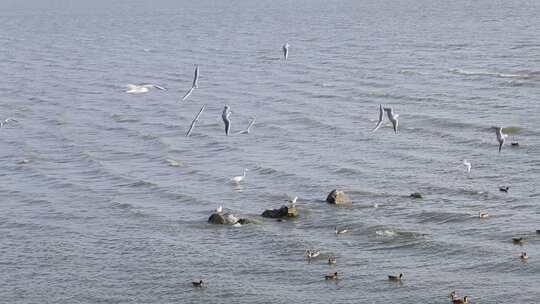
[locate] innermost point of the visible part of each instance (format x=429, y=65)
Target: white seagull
x=238, y=179
x=195, y=84
x=194, y=121
x=226, y=116
x=340, y=231
x=7, y=120
x=381, y=118
x=501, y=137
x=468, y=165
x=142, y=88
x=285, y=48
x=310, y=254
x=246, y=131
x=393, y=118
x=293, y=201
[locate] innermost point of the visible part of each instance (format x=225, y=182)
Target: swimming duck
x=504, y=189
x=332, y=276
x=332, y=260
x=340, y=231
x=199, y=284
x=453, y=295
x=514, y=142
x=310, y=254
x=518, y=240
x=538, y=231
x=524, y=256
x=483, y=215
x=460, y=301
x=395, y=278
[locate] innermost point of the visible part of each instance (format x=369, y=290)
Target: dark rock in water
x=416, y=195
x=227, y=219
x=281, y=212
x=515, y=144
x=223, y=218
x=338, y=197
x=244, y=221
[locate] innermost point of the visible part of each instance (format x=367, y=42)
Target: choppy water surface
x=112, y=205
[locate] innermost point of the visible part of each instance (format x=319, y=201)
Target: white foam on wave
x=386, y=232
x=484, y=73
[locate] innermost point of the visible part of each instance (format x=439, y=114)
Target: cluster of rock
x=335, y=197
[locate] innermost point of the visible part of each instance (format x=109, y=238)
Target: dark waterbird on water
x=465, y=300
x=199, y=284
x=518, y=240
x=395, y=278
x=504, y=188
x=332, y=276
x=332, y=260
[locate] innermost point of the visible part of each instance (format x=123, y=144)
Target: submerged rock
x=282, y=212
x=222, y=218
x=338, y=197
x=416, y=195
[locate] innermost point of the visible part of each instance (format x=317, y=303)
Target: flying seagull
x=393, y=118
x=246, y=131
x=194, y=121
x=501, y=137
x=142, y=88
x=285, y=48
x=381, y=118
x=195, y=84
x=226, y=119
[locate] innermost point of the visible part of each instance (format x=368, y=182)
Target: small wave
x=122, y=205
x=121, y=119
x=174, y=163
x=485, y=73
x=386, y=232
x=138, y=184
x=408, y=72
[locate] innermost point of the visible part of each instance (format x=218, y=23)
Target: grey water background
x=112, y=206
